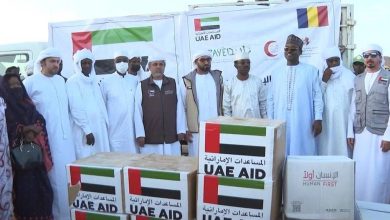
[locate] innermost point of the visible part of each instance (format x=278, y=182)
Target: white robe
x=164, y=148
x=118, y=94
x=245, y=98
x=295, y=97
x=88, y=114
x=50, y=98
x=372, y=175
x=337, y=95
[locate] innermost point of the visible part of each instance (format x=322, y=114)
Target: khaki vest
x=372, y=109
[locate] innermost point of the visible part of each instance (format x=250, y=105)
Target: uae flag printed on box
x=156, y=193
x=77, y=214
x=96, y=188
x=242, y=148
x=235, y=198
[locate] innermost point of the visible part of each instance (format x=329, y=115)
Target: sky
x=27, y=20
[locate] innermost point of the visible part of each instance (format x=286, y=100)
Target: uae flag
x=233, y=192
x=210, y=23
x=153, y=183
x=92, y=179
x=312, y=17
x=82, y=215
x=235, y=139
x=138, y=217
x=89, y=39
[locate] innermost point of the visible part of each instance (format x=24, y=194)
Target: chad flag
x=89, y=39
x=153, y=183
x=312, y=17
x=233, y=192
x=235, y=139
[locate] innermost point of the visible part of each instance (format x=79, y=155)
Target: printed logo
x=271, y=48
x=207, y=29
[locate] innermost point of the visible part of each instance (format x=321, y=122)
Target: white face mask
x=122, y=67
x=336, y=69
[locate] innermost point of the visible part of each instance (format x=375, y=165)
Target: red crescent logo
x=266, y=48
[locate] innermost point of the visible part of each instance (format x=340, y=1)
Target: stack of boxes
x=240, y=164
x=127, y=186
x=319, y=187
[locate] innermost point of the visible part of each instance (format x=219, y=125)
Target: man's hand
x=189, y=137
x=181, y=137
x=90, y=139
x=327, y=74
x=351, y=142
x=140, y=141
x=385, y=145
x=317, y=127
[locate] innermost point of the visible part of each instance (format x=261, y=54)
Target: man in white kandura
x=369, y=129
x=295, y=97
x=159, y=112
x=337, y=87
x=244, y=94
x=48, y=92
x=118, y=91
x=88, y=112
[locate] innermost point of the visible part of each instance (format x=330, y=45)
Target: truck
x=223, y=29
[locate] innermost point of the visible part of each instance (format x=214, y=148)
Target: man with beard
x=48, y=92
x=244, y=95
x=118, y=91
x=135, y=68
x=159, y=114
x=336, y=86
x=369, y=129
x=295, y=97
x=202, y=90
x=88, y=112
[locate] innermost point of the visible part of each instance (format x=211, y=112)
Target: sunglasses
x=372, y=55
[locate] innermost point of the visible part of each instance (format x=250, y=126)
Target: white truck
x=223, y=29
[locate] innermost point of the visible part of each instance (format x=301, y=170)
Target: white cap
x=121, y=53
x=155, y=58
x=201, y=54
x=241, y=56
x=373, y=47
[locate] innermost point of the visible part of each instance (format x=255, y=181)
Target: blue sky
x=22, y=20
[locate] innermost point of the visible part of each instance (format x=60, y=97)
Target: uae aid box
x=319, y=187
x=161, y=187
x=77, y=214
x=95, y=183
x=242, y=148
x=227, y=198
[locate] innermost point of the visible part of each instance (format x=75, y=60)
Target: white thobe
x=50, y=98
x=295, y=97
x=163, y=148
x=245, y=98
x=88, y=114
x=206, y=93
x=337, y=94
x=372, y=176
x=118, y=94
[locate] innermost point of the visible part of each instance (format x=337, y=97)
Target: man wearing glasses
x=368, y=129
x=118, y=90
x=295, y=97
x=203, y=97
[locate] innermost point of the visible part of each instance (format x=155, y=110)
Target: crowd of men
x=327, y=112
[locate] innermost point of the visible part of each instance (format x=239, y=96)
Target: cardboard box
x=319, y=187
x=161, y=187
x=77, y=214
x=95, y=183
x=228, y=198
x=242, y=148
x=372, y=210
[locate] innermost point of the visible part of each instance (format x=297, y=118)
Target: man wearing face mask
x=369, y=129
x=159, y=112
x=336, y=86
x=135, y=68
x=88, y=111
x=118, y=91
x=48, y=92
